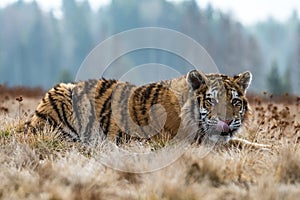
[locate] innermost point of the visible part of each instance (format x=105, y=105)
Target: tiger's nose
x=228, y=122
x=223, y=126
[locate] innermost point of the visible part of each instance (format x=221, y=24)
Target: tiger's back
x=98, y=109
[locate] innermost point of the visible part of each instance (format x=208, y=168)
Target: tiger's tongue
x=223, y=127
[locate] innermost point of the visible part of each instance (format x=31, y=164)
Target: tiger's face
x=221, y=103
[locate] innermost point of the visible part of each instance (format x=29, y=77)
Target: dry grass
x=44, y=167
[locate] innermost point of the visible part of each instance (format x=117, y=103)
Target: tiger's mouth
x=221, y=131
x=223, y=128
x=225, y=134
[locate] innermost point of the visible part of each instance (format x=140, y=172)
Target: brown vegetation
x=7, y=92
x=45, y=167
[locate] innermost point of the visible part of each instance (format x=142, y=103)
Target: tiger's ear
x=244, y=80
x=195, y=79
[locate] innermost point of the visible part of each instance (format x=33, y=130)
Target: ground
x=44, y=167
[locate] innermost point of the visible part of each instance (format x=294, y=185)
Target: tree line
x=39, y=49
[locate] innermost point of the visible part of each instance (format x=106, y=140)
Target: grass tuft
x=287, y=166
x=43, y=166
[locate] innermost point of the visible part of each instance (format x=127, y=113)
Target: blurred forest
x=39, y=49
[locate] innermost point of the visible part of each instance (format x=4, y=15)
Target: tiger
x=195, y=105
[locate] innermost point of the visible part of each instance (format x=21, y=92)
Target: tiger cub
x=196, y=105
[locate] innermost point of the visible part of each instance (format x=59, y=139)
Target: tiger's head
x=221, y=104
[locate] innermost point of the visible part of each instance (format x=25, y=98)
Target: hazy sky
x=250, y=11
x=246, y=11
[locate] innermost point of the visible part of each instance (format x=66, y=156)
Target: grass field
x=44, y=167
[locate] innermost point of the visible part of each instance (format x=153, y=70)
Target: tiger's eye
x=236, y=102
x=212, y=101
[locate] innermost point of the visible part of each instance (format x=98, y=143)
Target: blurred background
x=45, y=42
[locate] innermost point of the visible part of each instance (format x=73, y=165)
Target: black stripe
x=103, y=117
x=56, y=86
x=106, y=125
x=154, y=100
x=198, y=100
x=227, y=86
x=47, y=118
x=66, y=135
x=62, y=116
x=54, y=124
x=52, y=102
x=108, y=121
x=138, y=101
x=119, y=138
x=40, y=115
x=135, y=100
x=104, y=106
x=106, y=84
x=146, y=96
x=127, y=137
x=156, y=94
x=60, y=93
x=66, y=120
